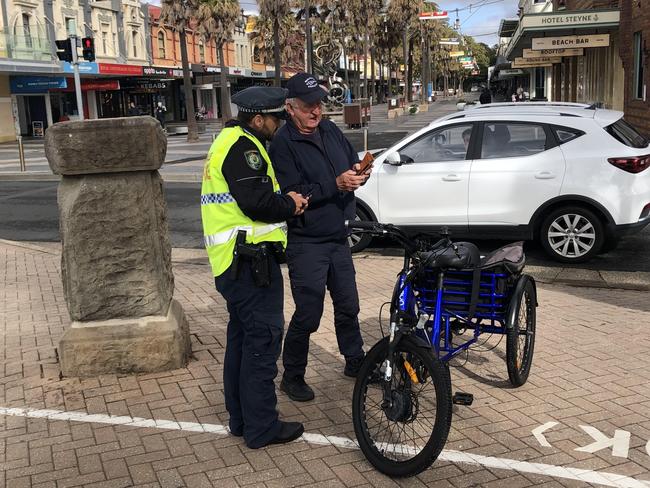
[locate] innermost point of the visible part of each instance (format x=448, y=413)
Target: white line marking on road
x=539, y=433
x=584, y=475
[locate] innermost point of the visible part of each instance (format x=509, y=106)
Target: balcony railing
x=25, y=47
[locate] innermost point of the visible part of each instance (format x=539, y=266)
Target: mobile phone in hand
x=365, y=163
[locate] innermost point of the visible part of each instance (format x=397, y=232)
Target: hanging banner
x=545, y=53
x=589, y=40
x=433, y=15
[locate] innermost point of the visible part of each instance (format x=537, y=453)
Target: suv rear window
x=624, y=132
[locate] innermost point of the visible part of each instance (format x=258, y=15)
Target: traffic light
x=88, y=44
x=64, y=50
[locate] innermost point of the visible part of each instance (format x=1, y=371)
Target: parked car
x=571, y=175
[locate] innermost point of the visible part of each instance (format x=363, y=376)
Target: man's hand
x=349, y=181
x=300, y=202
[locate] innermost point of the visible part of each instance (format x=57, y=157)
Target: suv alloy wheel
x=572, y=234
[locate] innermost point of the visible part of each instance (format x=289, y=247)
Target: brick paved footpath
x=591, y=368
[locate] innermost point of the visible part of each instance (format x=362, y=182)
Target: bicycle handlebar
x=409, y=244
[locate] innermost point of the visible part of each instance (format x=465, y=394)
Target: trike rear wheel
x=520, y=341
x=404, y=436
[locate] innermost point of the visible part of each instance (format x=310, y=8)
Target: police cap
x=265, y=100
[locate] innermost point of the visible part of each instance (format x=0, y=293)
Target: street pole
x=308, y=58
x=77, y=79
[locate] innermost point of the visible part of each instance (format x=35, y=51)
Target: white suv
x=571, y=175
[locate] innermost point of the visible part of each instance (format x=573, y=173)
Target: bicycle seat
x=466, y=255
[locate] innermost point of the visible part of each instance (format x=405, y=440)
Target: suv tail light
x=634, y=164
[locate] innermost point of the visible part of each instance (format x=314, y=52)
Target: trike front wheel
x=402, y=425
x=520, y=340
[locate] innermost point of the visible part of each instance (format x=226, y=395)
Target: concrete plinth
x=144, y=344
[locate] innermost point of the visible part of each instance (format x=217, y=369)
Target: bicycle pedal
x=461, y=398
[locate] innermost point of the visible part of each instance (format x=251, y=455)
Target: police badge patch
x=253, y=159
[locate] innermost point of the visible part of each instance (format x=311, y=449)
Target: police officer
x=244, y=231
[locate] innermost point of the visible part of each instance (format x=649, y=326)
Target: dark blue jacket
x=302, y=166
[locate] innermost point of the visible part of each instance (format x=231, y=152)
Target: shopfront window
x=638, y=86
x=161, y=44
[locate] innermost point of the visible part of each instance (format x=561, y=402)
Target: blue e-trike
x=444, y=298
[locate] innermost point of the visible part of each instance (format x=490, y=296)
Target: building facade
x=634, y=37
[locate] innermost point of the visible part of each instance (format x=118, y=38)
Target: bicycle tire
x=520, y=359
x=382, y=452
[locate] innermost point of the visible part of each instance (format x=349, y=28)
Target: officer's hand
x=300, y=202
x=349, y=181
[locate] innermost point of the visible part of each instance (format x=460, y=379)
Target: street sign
x=433, y=15
x=457, y=54
x=449, y=41
x=545, y=53
x=535, y=63
x=589, y=40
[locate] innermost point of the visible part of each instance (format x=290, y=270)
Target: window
x=624, y=132
x=201, y=52
x=161, y=44
x=566, y=134
x=447, y=144
x=71, y=26
x=638, y=86
x=511, y=139
x=105, y=38
x=257, y=55
x=134, y=40
x=27, y=31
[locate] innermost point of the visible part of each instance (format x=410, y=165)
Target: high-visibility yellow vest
x=222, y=218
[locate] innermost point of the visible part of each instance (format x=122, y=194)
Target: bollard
x=365, y=139
x=21, y=154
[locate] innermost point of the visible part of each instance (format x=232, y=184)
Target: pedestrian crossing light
x=64, y=50
x=88, y=44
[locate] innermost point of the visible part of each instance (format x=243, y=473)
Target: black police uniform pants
x=253, y=346
x=313, y=267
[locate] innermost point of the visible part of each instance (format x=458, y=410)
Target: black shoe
x=353, y=365
x=289, y=431
x=297, y=389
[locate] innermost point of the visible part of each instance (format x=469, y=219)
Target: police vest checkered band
x=216, y=198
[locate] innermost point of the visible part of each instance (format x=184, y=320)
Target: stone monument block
x=105, y=146
x=116, y=258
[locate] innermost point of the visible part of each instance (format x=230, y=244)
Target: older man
x=312, y=157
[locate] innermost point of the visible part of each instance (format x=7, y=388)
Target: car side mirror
x=393, y=159
x=396, y=159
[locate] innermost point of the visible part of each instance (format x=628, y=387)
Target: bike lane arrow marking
x=539, y=433
x=620, y=443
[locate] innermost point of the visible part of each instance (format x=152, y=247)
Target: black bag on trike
x=446, y=296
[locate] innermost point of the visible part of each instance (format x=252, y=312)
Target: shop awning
x=561, y=24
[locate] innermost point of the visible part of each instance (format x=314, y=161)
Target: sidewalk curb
x=43, y=176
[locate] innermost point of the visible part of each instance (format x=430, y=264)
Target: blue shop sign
x=36, y=84
x=84, y=68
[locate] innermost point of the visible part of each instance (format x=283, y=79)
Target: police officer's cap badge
x=253, y=159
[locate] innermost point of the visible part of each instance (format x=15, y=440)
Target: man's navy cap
x=265, y=100
x=305, y=87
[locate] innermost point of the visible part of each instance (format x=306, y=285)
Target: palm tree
x=402, y=13
x=217, y=20
x=291, y=37
x=178, y=14
x=275, y=10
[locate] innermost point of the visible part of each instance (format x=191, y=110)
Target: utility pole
x=309, y=64
x=77, y=79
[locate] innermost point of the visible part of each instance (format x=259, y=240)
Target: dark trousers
x=312, y=269
x=253, y=346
